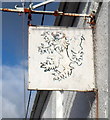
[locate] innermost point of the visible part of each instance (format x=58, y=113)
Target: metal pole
x=55, y=13
x=97, y=105
x=59, y=104
x=41, y=4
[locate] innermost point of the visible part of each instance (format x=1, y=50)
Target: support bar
x=41, y=4
x=55, y=13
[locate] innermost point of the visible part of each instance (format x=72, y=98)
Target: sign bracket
x=30, y=10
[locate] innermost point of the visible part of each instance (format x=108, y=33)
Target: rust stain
x=56, y=13
x=97, y=105
x=26, y=10
x=5, y=9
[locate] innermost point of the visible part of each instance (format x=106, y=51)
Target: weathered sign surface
x=60, y=58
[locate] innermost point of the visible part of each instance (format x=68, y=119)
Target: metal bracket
x=19, y=8
x=31, y=6
x=92, y=21
x=43, y=3
x=30, y=11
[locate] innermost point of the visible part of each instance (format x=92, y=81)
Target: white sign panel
x=60, y=58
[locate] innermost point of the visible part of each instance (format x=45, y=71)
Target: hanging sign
x=60, y=58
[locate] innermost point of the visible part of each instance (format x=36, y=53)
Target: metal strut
x=29, y=18
x=55, y=13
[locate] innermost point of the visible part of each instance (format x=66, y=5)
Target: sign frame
x=57, y=28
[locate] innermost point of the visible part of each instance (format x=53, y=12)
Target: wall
x=101, y=59
x=109, y=58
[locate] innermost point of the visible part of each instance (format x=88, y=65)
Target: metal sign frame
x=39, y=52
